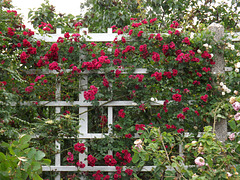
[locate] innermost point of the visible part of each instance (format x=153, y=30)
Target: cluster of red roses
x=116, y=176
x=109, y=160
x=96, y=63
x=143, y=49
x=125, y=157
x=121, y=113
x=139, y=127
x=31, y=50
x=80, y=147
x=177, y=97
x=12, y=11
x=157, y=75
x=105, y=82
x=90, y=94
x=170, y=126
x=45, y=26
x=54, y=66
x=91, y=160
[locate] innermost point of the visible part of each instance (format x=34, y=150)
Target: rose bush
x=175, y=94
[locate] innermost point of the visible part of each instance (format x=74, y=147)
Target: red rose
x=204, y=98
x=177, y=97
x=121, y=113
x=71, y=49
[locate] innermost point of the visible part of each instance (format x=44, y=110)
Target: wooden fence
x=84, y=106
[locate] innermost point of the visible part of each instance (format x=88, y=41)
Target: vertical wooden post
x=57, y=144
x=218, y=69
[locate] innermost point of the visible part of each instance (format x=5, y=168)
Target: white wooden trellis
x=83, y=106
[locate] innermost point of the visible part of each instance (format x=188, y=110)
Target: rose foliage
x=165, y=78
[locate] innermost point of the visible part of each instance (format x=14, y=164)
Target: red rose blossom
x=118, y=126
x=91, y=160
x=79, y=147
x=177, y=97
x=121, y=113
x=129, y=171
x=180, y=130
x=204, y=98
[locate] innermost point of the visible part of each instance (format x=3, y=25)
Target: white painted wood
x=57, y=111
x=110, y=119
x=59, y=31
x=46, y=71
x=106, y=37
x=86, y=104
x=109, y=30
x=228, y=69
x=101, y=168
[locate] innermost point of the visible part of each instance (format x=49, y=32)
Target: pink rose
x=199, y=161
x=232, y=137
x=236, y=106
x=237, y=117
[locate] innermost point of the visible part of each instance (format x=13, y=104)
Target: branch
x=167, y=154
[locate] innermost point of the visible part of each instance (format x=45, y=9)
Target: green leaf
x=46, y=162
x=4, y=166
x=135, y=158
x=209, y=142
x=24, y=139
x=209, y=161
x=2, y=156
x=221, y=116
x=36, y=166
x=232, y=124
x=4, y=144
x=11, y=151
x=39, y=155
x=23, y=146
x=141, y=163
x=36, y=177
x=31, y=153
x=174, y=165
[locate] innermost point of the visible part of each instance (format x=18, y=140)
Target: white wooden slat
x=227, y=69
x=83, y=83
x=101, y=168
x=59, y=31
x=106, y=37
x=124, y=71
x=57, y=144
x=46, y=71
x=110, y=119
x=89, y=168
x=86, y=104
x=136, y=135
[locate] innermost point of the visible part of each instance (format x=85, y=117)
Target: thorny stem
x=159, y=131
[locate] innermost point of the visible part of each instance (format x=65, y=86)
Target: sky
x=63, y=6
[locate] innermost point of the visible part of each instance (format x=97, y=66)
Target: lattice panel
x=84, y=107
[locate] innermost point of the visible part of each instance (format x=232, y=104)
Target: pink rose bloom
x=237, y=117
x=229, y=174
x=199, y=161
x=232, y=137
x=138, y=147
x=236, y=106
